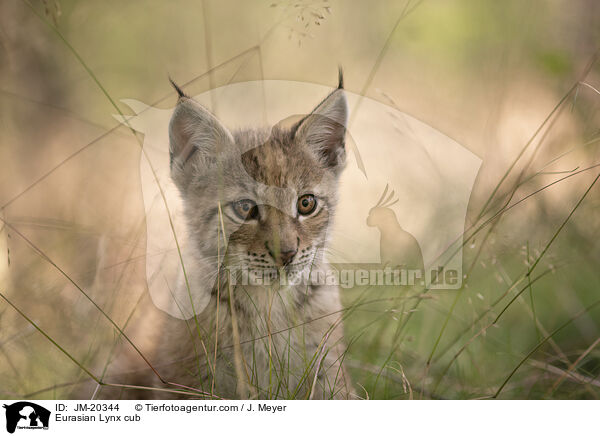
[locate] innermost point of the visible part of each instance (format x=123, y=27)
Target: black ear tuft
x=324, y=129
x=178, y=89
x=340, y=77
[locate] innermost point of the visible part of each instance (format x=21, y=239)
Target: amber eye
x=245, y=209
x=307, y=204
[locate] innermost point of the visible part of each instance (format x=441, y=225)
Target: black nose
x=287, y=256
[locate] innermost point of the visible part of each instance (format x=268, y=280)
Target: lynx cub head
x=276, y=188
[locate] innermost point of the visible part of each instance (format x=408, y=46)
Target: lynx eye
x=245, y=209
x=307, y=204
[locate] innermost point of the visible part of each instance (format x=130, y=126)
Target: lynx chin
x=259, y=200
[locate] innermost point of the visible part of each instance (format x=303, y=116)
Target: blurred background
x=516, y=83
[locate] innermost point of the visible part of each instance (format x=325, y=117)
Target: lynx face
x=273, y=192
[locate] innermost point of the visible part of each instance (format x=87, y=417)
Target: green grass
x=525, y=325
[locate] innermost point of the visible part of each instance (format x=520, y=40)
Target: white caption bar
x=298, y=417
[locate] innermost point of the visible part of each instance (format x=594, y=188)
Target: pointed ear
x=196, y=137
x=324, y=130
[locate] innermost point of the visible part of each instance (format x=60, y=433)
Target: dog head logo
x=26, y=415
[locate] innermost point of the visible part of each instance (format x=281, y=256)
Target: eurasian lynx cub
x=270, y=195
